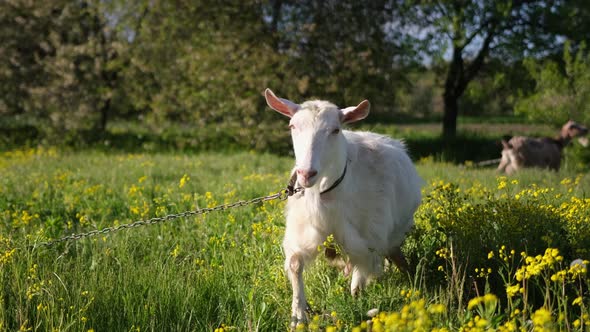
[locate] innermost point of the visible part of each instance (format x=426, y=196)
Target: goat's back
x=536, y=152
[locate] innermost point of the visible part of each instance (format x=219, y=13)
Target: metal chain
x=282, y=195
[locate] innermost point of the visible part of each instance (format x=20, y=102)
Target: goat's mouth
x=583, y=141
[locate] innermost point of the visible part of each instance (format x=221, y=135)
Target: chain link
x=281, y=195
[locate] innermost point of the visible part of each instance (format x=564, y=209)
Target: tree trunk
x=104, y=116
x=453, y=90
x=451, y=111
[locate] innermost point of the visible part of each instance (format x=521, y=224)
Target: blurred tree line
x=70, y=70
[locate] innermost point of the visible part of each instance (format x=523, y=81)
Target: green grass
x=225, y=270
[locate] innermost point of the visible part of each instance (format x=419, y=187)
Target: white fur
x=368, y=214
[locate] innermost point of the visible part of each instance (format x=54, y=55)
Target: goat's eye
x=291, y=126
x=336, y=131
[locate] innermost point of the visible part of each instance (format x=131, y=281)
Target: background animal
x=359, y=187
x=520, y=151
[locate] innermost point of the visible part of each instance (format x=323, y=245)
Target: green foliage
x=463, y=35
x=75, y=68
x=62, y=76
x=562, y=90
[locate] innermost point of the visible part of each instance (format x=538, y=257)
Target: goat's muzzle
x=306, y=177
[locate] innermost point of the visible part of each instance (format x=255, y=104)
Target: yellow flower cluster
x=414, y=316
x=542, y=320
x=485, y=300
x=268, y=226
x=535, y=265
x=225, y=328
x=23, y=218
x=476, y=324
x=183, y=181
x=20, y=156
x=6, y=251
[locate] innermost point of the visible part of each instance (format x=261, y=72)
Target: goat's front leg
x=294, y=267
x=301, y=247
x=504, y=162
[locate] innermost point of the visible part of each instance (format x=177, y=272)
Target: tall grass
x=224, y=271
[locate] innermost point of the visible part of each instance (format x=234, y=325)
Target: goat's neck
x=563, y=141
x=328, y=181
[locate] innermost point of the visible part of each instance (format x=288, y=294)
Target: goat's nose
x=307, y=173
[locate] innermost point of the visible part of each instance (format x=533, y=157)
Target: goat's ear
x=356, y=113
x=283, y=106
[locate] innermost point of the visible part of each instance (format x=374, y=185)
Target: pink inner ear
x=353, y=114
x=280, y=105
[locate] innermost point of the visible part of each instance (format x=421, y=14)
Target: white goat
x=521, y=152
x=359, y=187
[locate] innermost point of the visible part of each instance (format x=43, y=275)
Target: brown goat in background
x=544, y=152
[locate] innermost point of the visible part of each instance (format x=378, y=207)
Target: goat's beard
x=583, y=141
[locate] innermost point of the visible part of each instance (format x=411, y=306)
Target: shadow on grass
x=458, y=150
x=465, y=147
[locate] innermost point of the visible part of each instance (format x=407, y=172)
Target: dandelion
x=512, y=290
x=501, y=182
x=174, y=253
x=541, y=319
x=133, y=190
x=486, y=299
x=6, y=257
x=559, y=276
x=437, y=309
x=577, y=301
x=577, y=268
x=185, y=178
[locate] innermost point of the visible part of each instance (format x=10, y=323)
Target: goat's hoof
x=297, y=323
x=308, y=309
x=299, y=316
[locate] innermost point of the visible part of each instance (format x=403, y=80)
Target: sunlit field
x=489, y=252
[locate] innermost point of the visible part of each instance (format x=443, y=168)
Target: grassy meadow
x=491, y=253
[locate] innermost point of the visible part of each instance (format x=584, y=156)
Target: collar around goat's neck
x=337, y=182
x=293, y=181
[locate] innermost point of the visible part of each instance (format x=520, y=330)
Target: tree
x=345, y=50
x=562, y=89
x=206, y=63
x=472, y=31
x=23, y=27
x=62, y=69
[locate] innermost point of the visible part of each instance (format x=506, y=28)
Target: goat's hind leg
x=364, y=268
x=396, y=256
x=336, y=260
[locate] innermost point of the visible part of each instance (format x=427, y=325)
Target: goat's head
x=318, y=142
x=572, y=130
